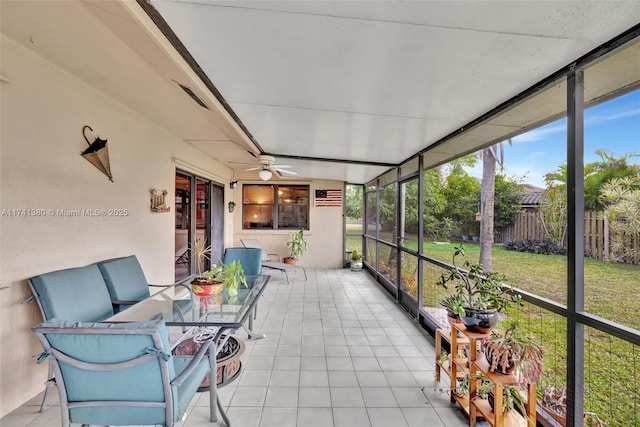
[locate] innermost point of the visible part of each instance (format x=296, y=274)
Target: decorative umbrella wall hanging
x=97, y=154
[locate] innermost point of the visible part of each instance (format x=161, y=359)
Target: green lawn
x=610, y=288
x=611, y=365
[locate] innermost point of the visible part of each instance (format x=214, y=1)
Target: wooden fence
x=598, y=239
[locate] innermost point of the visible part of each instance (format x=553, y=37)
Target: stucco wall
x=43, y=111
x=324, y=234
x=42, y=176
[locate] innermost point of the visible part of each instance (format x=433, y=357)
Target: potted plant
x=513, y=351
x=200, y=251
x=453, y=304
x=554, y=403
x=512, y=398
x=226, y=277
x=297, y=245
x=484, y=295
x=356, y=260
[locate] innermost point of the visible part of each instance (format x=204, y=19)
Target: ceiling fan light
x=265, y=175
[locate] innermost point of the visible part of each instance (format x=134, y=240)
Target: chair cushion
x=250, y=258
x=190, y=385
x=73, y=294
x=124, y=278
x=142, y=382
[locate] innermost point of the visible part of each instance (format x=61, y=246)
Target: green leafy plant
x=453, y=303
x=512, y=398
x=356, y=256
x=446, y=226
x=621, y=198
x=513, y=348
x=554, y=401
x=478, y=291
x=297, y=244
x=231, y=275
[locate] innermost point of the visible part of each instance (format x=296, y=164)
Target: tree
x=354, y=201
x=596, y=175
x=462, y=193
x=621, y=199
x=435, y=201
x=508, y=200
x=489, y=159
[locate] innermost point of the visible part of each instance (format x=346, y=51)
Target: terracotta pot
x=203, y=287
x=559, y=418
x=288, y=260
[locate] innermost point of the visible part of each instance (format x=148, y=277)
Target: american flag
x=328, y=198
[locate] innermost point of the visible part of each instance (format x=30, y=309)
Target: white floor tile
x=338, y=352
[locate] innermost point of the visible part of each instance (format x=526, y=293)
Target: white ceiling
x=367, y=83
x=379, y=81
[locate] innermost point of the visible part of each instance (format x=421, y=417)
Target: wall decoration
x=158, y=203
x=97, y=154
x=328, y=198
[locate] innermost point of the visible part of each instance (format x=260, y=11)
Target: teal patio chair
x=122, y=373
x=73, y=294
x=268, y=262
x=250, y=258
x=127, y=283
x=251, y=261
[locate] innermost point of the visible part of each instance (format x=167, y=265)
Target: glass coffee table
x=200, y=318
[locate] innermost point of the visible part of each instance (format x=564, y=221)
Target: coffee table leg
x=250, y=333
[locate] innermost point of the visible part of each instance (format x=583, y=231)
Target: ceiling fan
x=267, y=167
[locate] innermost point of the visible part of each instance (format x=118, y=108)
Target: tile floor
x=339, y=352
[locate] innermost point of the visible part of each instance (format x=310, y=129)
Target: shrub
x=542, y=247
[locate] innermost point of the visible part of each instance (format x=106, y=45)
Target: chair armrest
x=275, y=255
x=192, y=365
x=123, y=302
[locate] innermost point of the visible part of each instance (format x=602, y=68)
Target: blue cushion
x=73, y=294
x=250, y=258
x=124, y=278
x=142, y=382
x=190, y=386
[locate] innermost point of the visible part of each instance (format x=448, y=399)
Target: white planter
x=356, y=265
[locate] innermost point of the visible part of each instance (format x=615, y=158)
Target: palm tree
x=490, y=156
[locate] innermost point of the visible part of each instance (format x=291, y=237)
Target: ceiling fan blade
x=255, y=168
x=284, y=171
x=242, y=163
x=281, y=166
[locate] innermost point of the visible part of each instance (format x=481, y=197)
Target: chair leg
x=223, y=414
x=213, y=378
x=50, y=381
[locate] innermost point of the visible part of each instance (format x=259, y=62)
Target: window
x=286, y=206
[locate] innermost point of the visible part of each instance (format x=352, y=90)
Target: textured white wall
x=43, y=111
x=324, y=234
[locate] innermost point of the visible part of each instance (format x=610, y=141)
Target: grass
x=611, y=365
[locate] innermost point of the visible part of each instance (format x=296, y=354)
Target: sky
x=613, y=126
